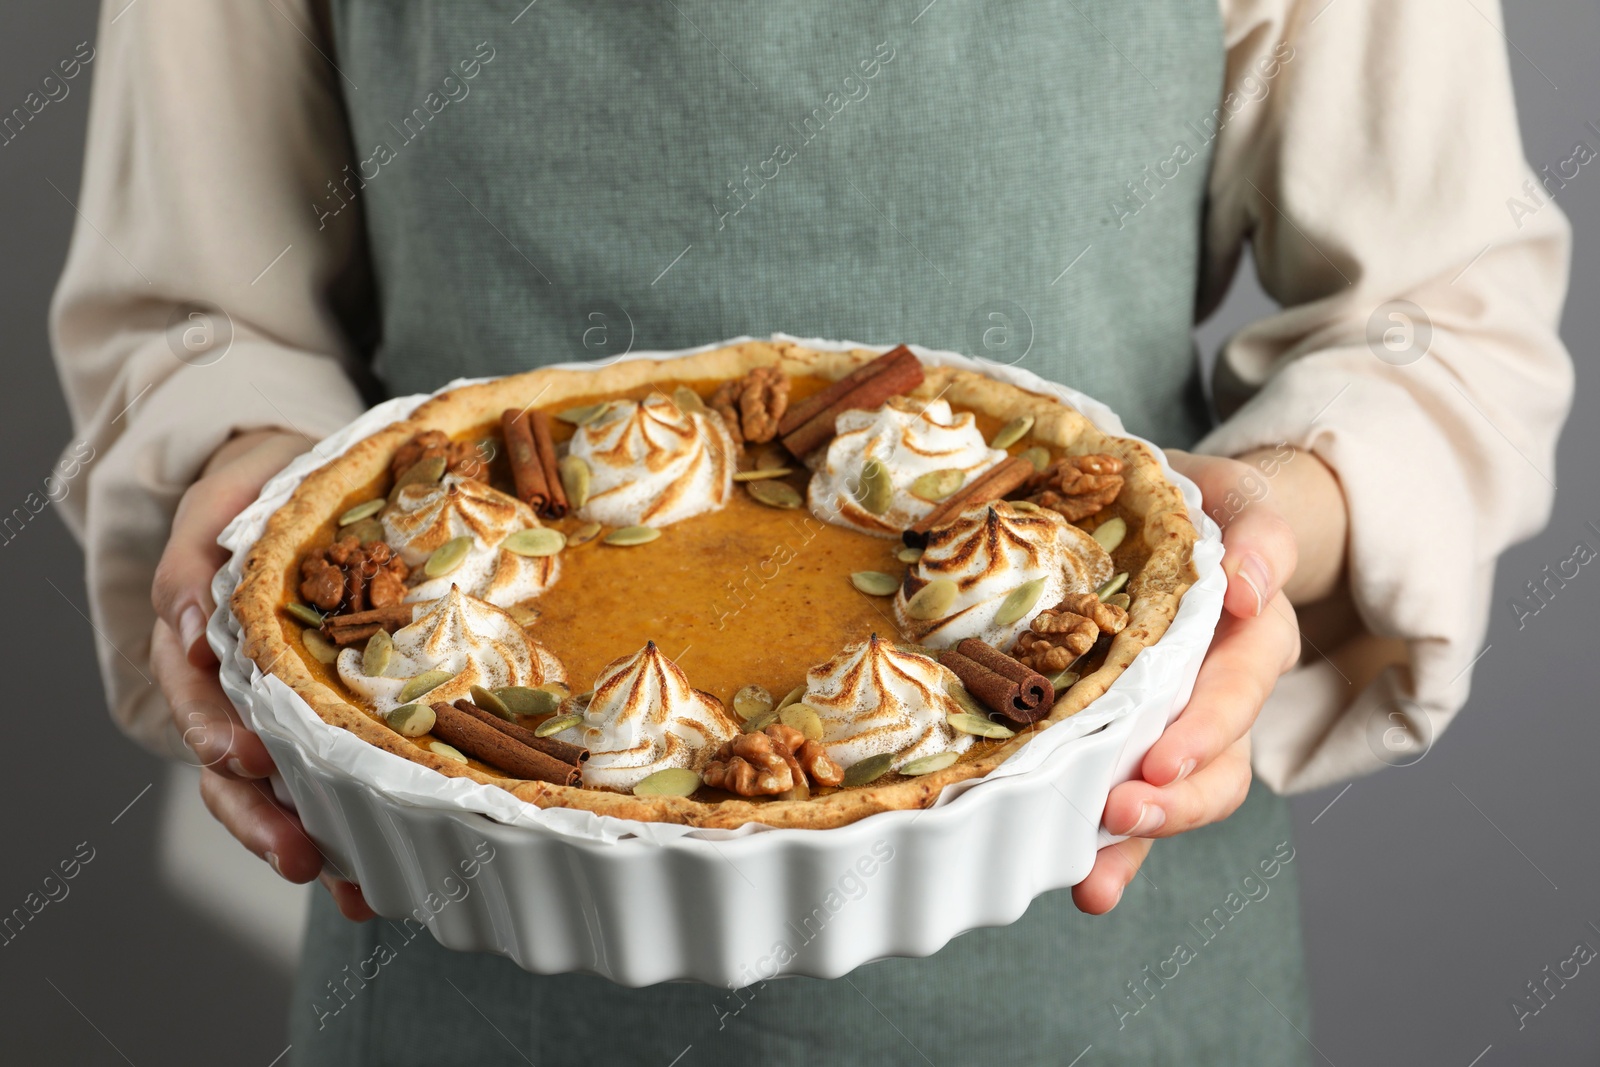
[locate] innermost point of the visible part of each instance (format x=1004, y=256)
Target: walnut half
x=1077, y=486
x=753, y=405
x=776, y=760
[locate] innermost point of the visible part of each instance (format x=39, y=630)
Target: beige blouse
x=1370, y=155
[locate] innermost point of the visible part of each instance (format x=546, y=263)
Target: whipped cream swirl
x=911, y=438
x=652, y=463
x=644, y=717
x=423, y=517
x=874, y=698
x=477, y=642
x=988, y=551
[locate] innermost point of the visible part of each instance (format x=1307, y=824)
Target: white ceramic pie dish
x=639, y=903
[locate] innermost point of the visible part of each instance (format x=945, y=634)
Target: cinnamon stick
x=810, y=424
x=1001, y=683
x=564, y=751
x=544, y=447
x=527, y=472
x=505, y=753
x=993, y=484
x=390, y=617
x=349, y=635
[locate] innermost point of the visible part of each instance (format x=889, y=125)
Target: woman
x=292, y=208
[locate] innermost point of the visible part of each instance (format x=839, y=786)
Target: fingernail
x=272, y=861
x=1253, y=570
x=237, y=769
x=1183, y=770
x=1150, y=819
x=1121, y=889
x=191, y=626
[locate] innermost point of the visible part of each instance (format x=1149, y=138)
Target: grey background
x=1433, y=893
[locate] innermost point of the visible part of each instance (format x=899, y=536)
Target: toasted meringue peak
x=424, y=517
x=988, y=551
x=477, y=642
x=645, y=716
x=873, y=698
x=652, y=463
x=911, y=438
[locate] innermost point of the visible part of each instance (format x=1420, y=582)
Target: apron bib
x=1020, y=181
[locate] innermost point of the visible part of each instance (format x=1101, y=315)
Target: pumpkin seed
x=1012, y=432
x=759, y=721
x=774, y=494
x=1120, y=600
x=362, y=511
x=668, y=782
x=908, y=555
x=794, y=694
x=933, y=600
x=632, y=535
x=875, y=490
x=1114, y=585
x=419, y=684
x=376, y=656
x=365, y=532
x=1063, y=681
x=875, y=583
x=1019, y=602
x=688, y=400
x=1109, y=534
x=771, y=459
x=575, y=478
x=557, y=725
x=1039, y=457
x=425, y=471
x=583, y=416
x=761, y=474
x=322, y=650
x=968, y=702
x=978, y=726
x=583, y=534
x=803, y=717
x=868, y=770
x=411, y=720
x=1027, y=506
x=751, y=701
x=448, y=556
x=535, y=541
x=308, y=615
x=449, y=752
x=523, y=614
x=936, y=485
x=560, y=689
x=928, y=764
x=486, y=700
x=520, y=700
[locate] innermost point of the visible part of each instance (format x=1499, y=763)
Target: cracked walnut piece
x=1077, y=486
x=752, y=406
x=1061, y=634
x=351, y=576
x=774, y=761
x=461, y=457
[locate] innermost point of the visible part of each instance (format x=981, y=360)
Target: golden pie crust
x=1155, y=588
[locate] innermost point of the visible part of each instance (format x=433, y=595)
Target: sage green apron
x=1022, y=181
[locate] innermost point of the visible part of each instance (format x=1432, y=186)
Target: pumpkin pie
x=761, y=583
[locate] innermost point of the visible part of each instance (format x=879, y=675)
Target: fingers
x=181, y=592
x=1240, y=669
x=1260, y=556
x=1208, y=795
x=251, y=814
x=347, y=895
x=204, y=716
x=1114, y=867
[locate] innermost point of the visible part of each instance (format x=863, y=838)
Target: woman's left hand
x=1283, y=534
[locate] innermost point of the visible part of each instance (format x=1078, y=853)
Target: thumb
x=181, y=591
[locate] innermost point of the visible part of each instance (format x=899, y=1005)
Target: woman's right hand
x=234, y=764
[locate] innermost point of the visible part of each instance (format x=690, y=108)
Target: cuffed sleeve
x=204, y=293
x=1421, y=268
